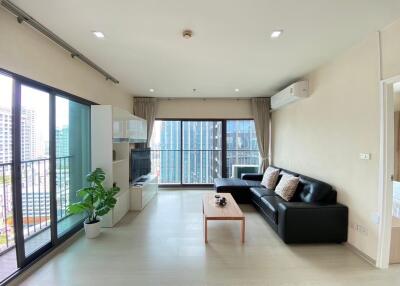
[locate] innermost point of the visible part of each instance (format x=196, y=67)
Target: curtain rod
x=22, y=16
x=198, y=98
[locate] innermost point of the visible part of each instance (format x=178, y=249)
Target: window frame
x=224, y=171
x=23, y=261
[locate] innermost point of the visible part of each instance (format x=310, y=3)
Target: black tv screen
x=140, y=163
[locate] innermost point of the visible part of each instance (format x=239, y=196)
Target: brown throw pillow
x=287, y=187
x=270, y=178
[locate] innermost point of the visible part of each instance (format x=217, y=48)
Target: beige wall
x=26, y=52
x=204, y=108
x=322, y=136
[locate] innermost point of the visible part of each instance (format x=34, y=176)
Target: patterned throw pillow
x=287, y=187
x=270, y=178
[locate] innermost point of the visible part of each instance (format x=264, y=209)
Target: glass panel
x=35, y=168
x=72, y=158
x=242, y=149
x=202, y=142
x=8, y=261
x=166, y=151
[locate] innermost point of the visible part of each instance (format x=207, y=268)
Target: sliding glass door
x=8, y=257
x=44, y=159
x=34, y=167
x=72, y=158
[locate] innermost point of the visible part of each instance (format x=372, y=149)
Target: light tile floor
x=163, y=245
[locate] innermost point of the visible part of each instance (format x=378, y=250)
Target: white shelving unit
x=112, y=130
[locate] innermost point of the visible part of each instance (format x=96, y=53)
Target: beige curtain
x=146, y=109
x=396, y=176
x=261, y=114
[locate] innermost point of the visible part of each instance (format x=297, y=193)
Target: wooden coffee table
x=230, y=211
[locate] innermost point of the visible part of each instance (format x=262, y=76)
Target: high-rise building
x=170, y=156
x=196, y=156
x=28, y=135
x=62, y=142
x=5, y=135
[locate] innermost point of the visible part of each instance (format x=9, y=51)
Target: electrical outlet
x=359, y=228
x=362, y=229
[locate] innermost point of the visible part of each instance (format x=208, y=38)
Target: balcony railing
x=35, y=191
x=197, y=166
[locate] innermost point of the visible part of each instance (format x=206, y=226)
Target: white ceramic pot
x=92, y=230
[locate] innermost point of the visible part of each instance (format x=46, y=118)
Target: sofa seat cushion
x=240, y=189
x=227, y=184
x=256, y=193
x=269, y=205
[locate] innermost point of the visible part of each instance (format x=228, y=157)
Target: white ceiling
x=231, y=47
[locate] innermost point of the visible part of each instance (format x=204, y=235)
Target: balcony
x=35, y=191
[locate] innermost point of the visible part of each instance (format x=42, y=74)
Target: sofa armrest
x=252, y=177
x=300, y=222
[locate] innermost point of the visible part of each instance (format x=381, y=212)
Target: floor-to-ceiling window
x=44, y=158
x=201, y=151
x=8, y=259
x=241, y=145
x=72, y=134
x=191, y=152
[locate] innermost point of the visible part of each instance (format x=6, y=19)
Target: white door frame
x=386, y=170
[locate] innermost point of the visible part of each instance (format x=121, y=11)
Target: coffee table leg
x=205, y=229
x=243, y=229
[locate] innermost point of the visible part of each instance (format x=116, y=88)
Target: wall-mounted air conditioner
x=290, y=94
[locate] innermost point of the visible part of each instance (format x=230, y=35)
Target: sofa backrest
x=311, y=190
x=314, y=191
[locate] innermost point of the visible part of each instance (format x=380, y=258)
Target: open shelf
x=120, y=161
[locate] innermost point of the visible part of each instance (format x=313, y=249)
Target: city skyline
x=200, y=149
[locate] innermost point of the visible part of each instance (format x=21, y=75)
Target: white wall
x=204, y=108
x=322, y=136
x=27, y=52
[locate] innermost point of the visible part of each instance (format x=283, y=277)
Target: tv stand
x=142, y=191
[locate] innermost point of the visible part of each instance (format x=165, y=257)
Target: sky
x=38, y=101
x=35, y=100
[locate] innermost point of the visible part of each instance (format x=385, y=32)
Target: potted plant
x=96, y=201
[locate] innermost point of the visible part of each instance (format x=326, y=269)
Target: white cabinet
x=141, y=195
x=111, y=132
x=137, y=129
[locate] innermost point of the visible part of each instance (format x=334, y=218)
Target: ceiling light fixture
x=276, y=34
x=151, y=90
x=236, y=90
x=98, y=34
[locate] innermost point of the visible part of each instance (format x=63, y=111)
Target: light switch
x=365, y=156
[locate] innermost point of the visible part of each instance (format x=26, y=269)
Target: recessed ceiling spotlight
x=151, y=90
x=98, y=34
x=236, y=90
x=276, y=34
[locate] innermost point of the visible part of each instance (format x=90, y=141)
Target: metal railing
x=197, y=166
x=35, y=193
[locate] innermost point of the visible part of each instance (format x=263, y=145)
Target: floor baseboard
x=364, y=256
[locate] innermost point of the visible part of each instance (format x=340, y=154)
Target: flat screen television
x=140, y=164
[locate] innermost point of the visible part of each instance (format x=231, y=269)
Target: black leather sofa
x=312, y=216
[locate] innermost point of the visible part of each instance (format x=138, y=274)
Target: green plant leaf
x=76, y=208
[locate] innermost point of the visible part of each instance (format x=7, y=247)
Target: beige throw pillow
x=270, y=178
x=287, y=187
